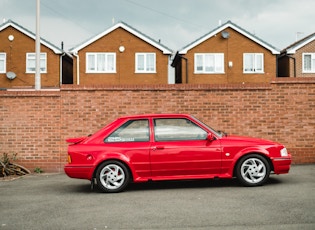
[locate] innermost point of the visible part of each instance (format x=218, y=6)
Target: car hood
x=250, y=140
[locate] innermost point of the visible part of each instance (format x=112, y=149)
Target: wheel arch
x=252, y=153
x=114, y=159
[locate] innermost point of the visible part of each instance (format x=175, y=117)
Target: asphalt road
x=54, y=201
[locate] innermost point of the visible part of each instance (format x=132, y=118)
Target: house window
x=253, y=63
x=308, y=62
x=100, y=62
x=3, y=63
x=145, y=63
x=209, y=63
x=31, y=63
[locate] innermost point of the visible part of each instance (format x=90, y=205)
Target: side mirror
x=210, y=137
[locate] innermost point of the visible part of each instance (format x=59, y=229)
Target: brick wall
x=35, y=124
x=30, y=126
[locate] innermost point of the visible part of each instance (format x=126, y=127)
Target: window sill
x=101, y=72
x=253, y=72
x=209, y=73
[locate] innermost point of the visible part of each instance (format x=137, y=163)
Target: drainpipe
x=277, y=63
x=78, y=64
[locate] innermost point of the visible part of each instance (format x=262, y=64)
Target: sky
x=176, y=23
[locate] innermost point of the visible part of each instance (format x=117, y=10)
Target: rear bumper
x=281, y=165
x=80, y=172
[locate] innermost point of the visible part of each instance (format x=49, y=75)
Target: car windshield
x=218, y=133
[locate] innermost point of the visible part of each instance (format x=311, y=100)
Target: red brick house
x=298, y=59
x=121, y=55
x=227, y=54
x=17, y=59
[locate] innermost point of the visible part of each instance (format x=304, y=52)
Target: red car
x=170, y=147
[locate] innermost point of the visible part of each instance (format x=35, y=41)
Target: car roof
x=162, y=115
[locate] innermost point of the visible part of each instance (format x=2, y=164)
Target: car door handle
x=157, y=147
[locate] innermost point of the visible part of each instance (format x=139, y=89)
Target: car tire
x=252, y=170
x=112, y=176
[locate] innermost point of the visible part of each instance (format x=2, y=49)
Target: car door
x=132, y=142
x=181, y=150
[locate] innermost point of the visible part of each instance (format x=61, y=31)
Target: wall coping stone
x=167, y=87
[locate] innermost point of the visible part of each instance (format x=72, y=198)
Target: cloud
x=279, y=22
x=175, y=22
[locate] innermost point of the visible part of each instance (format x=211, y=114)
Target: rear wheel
x=253, y=170
x=112, y=176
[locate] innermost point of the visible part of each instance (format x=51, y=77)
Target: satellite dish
x=11, y=75
x=225, y=34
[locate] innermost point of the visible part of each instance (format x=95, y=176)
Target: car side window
x=131, y=131
x=172, y=129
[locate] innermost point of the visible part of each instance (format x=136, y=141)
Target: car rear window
x=131, y=131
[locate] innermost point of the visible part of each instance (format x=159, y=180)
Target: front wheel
x=112, y=176
x=253, y=170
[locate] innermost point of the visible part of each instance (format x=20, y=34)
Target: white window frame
x=257, y=61
x=3, y=62
x=31, y=62
x=147, y=66
x=99, y=67
x=205, y=66
x=312, y=64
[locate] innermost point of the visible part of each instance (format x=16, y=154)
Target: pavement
x=54, y=201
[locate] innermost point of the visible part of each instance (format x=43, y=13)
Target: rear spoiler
x=75, y=140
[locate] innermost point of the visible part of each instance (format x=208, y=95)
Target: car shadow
x=274, y=180
x=179, y=184
x=193, y=184
x=182, y=184
x=78, y=188
x=156, y=185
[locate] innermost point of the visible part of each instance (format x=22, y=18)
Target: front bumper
x=79, y=171
x=281, y=165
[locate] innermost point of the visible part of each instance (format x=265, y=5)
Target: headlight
x=284, y=152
